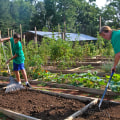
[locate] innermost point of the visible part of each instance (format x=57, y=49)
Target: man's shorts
x=17, y=67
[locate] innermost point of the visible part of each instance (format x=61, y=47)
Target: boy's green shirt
x=115, y=40
x=17, y=49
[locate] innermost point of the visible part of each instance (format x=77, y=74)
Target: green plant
x=107, y=67
x=115, y=82
x=86, y=67
x=42, y=84
x=5, y=74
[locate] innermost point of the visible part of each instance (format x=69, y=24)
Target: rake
x=13, y=84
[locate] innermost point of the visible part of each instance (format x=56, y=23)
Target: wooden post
x=8, y=32
x=35, y=36
x=11, y=33
x=21, y=32
x=100, y=23
x=62, y=34
x=0, y=34
x=9, y=42
x=64, y=29
x=58, y=30
x=24, y=39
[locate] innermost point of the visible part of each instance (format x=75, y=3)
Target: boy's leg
x=17, y=74
x=24, y=75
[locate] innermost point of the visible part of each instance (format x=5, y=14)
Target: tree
x=53, y=12
x=111, y=15
x=92, y=1
x=38, y=19
x=21, y=13
x=87, y=18
x=5, y=18
x=66, y=9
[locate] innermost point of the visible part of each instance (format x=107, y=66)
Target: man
x=114, y=35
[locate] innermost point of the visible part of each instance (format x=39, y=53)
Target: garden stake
x=105, y=90
x=13, y=85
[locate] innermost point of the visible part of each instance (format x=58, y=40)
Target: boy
x=114, y=35
x=18, y=58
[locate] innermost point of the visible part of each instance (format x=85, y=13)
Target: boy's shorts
x=17, y=67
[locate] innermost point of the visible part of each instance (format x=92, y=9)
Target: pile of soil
x=39, y=105
x=108, y=111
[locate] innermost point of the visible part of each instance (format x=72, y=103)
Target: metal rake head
x=13, y=85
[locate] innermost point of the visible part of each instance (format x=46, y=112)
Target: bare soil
x=39, y=105
x=108, y=111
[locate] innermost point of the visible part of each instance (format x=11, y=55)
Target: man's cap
x=104, y=28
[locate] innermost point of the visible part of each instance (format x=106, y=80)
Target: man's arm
x=11, y=58
x=4, y=39
x=116, y=60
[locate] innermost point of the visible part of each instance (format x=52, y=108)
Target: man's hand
x=116, y=60
x=113, y=69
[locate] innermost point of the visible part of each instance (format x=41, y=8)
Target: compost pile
x=39, y=105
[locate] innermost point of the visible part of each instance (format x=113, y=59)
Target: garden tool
x=13, y=84
x=105, y=90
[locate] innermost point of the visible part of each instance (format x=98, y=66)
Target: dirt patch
x=39, y=105
x=109, y=111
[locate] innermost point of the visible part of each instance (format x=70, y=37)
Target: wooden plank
x=84, y=89
x=16, y=115
x=77, y=97
x=69, y=96
x=80, y=112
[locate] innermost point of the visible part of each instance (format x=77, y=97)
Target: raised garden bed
x=41, y=105
x=46, y=105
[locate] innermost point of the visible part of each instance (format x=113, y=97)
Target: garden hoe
x=97, y=108
x=13, y=84
x=105, y=90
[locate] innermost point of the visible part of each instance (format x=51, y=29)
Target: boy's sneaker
x=28, y=85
